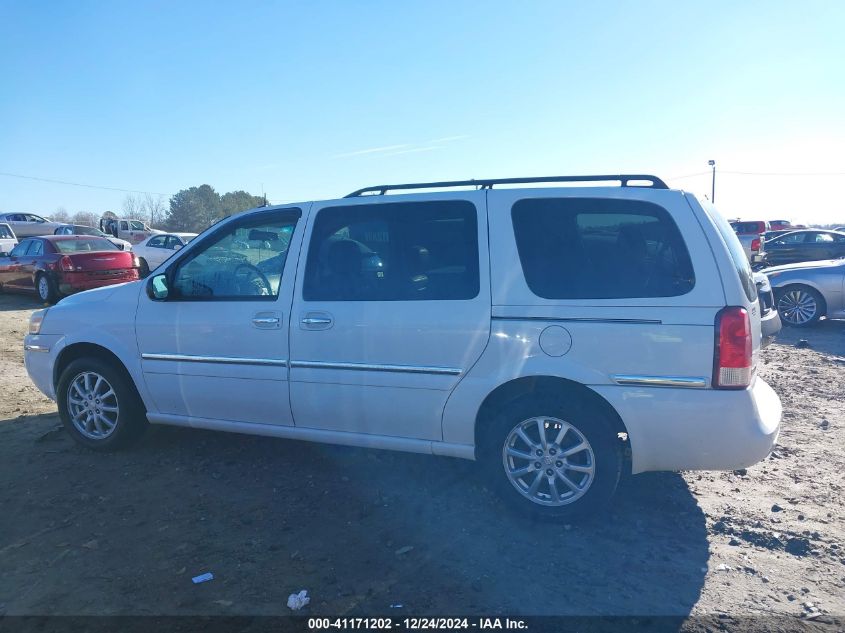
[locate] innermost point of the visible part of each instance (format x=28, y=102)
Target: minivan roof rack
x=623, y=179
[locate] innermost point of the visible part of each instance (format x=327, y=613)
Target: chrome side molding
x=407, y=369
x=660, y=381
x=309, y=364
x=578, y=320
x=222, y=360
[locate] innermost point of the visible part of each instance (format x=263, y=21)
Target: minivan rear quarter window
x=587, y=248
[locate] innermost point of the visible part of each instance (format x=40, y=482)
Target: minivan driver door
x=215, y=346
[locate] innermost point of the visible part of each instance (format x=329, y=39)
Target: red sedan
x=54, y=266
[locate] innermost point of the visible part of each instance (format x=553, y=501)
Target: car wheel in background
x=143, y=268
x=99, y=406
x=46, y=289
x=551, y=456
x=799, y=306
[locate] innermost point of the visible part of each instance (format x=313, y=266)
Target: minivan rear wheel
x=551, y=456
x=99, y=406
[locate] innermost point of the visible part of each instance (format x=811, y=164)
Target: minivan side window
x=588, y=248
x=244, y=260
x=405, y=251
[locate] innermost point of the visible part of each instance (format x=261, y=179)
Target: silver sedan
x=807, y=291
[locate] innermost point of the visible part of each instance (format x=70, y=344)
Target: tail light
x=732, y=362
x=66, y=264
x=755, y=244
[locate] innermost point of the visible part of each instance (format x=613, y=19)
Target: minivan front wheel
x=552, y=457
x=99, y=406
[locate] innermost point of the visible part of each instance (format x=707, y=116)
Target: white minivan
x=561, y=336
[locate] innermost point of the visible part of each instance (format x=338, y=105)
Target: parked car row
x=8, y=239
x=79, y=229
x=804, y=246
x=156, y=249
x=28, y=224
x=807, y=291
x=58, y=265
x=52, y=269
x=133, y=231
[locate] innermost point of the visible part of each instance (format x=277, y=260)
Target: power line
x=759, y=173
x=700, y=173
x=79, y=184
x=762, y=173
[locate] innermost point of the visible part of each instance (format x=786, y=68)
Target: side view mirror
x=157, y=288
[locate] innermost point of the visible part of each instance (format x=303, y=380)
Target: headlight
x=36, y=320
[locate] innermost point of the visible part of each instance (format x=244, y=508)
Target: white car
x=7, y=238
x=562, y=337
x=79, y=229
x=28, y=224
x=157, y=249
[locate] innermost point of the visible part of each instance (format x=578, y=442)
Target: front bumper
x=39, y=355
x=697, y=429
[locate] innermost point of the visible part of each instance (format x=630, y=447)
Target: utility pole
x=712, y=163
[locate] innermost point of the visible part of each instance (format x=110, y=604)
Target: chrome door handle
x=315, y=321
x=267, y=320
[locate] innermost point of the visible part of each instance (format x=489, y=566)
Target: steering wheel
x=251, y=279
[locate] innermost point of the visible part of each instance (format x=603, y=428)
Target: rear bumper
x=690, y=429
x=68, y=283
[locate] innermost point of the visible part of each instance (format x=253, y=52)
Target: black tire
x=588, y=420
x=131, y=420
x=143, y=268
x=787, y=298
x=46, y=289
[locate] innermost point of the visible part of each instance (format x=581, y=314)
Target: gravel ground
x=84, y=533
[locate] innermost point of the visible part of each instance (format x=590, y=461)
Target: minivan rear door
x=391, y=309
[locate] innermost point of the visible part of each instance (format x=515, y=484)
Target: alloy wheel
x=797, y=307
x=92, y=405
x=549, y=461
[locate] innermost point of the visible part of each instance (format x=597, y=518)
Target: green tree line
x=197, y=208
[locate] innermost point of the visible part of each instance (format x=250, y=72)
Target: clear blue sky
x=158, y=96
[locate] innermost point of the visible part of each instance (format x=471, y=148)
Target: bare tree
x=61, y=215
x=155, y=210
x=85, y=218
x=133, y=207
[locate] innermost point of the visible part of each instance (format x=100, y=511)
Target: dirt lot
x=83, y=533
